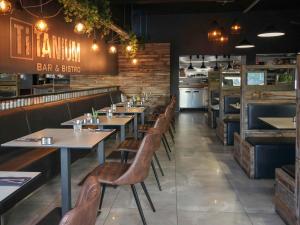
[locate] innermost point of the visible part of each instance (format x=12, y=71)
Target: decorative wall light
x=95, y=45
x=5, y=7
x=271, y=31
x=214, y=32
x=79, y=28
x=245, y=44
x=235, y=27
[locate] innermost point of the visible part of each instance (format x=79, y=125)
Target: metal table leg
x=143, y=118
x=101, y=153
x=65, y=180
x=135, y=121
x=122, y=138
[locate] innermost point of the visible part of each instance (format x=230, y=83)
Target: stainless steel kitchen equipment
x=193, y=98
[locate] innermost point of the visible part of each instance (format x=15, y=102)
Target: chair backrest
x=160, y=123
x=85, y=210
x=139, y=169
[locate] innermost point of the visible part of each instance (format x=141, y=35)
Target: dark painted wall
x=187, y=34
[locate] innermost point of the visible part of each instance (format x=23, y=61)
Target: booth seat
x=271, y=153
x=233, y=126
x=228, y=109
x=268, y=110
x=19, y=122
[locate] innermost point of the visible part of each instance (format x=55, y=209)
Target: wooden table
x=235, y=106
x=132, y=110
x=284, y=123
x=120, y=121
x=66, y=140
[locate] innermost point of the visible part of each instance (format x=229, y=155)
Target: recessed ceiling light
x=271, y=31
x=245, y=44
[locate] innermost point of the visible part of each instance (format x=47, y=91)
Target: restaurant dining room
x=149, y=112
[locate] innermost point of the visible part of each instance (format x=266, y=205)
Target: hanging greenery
x=92, y=15
x=132, y=41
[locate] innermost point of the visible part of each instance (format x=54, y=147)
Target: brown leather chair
x=86, y=208
x=117, y=173
x=131, y=145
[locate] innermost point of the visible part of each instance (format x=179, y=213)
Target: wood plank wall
x=298, y=143
x=152, y=74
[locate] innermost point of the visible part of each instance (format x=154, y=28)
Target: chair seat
x=129, y=145
x=144, y=128
x=109, y=172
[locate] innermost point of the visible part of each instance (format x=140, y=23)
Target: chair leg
x=166, y=148
x=102, y=196
x=173, y=125
x=148, y=196
x=171, y=134
x=156, y=176
x=158, y=163
x=167, y=143
x=137, y=200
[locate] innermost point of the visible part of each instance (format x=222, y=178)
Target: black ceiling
x=209, y=6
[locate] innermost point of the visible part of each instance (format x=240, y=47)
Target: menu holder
x=13, y=181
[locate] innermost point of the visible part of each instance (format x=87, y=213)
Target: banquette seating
x=232, y=124
x=19, y=122
x=265, y=154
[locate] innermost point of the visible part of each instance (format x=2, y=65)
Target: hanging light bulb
x=5, y=6
x=214, y=32
x=95, y=45
x=128, y=48
x=223, y=39
x=41, y=26
x=113, y=49
x=134, y=61
x=79, y=28
x=235, y=27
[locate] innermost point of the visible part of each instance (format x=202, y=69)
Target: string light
x=5, y=6
x=214, y=32
x=41, y=26
x=134, y=61
x=95, y=45
x=113, y=49
x=128, y=48
x=79, y=28
x=235, y=27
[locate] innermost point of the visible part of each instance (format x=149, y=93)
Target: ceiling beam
x=251, y=6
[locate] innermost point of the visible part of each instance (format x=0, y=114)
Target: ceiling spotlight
x=5, y=6
x=95, y=45
x=245, y=44
x=41, y=26
x=79, y=28
x=271, y=31
x=113, y=49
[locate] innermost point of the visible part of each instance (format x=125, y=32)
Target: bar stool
x=117, y=173
x=85, y=210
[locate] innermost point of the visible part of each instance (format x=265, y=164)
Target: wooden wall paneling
x=298, y=143
x=213, y=85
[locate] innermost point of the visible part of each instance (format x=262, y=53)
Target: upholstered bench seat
x=233, y=126
x=271, y=153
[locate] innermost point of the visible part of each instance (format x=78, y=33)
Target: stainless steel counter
x=193, y=98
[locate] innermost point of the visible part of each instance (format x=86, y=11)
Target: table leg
x=101, y=153
x=122, y=138
x=143, y=118
x=135, y=121
x=65, y=157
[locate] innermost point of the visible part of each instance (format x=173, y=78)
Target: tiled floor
x=202, y=185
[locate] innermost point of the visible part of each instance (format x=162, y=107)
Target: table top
x=6, y=191
x=62, y=138
x=280, y=122
x=135, y=110
x=104, y=121
x=235, y=106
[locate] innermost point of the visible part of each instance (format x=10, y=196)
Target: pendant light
x=244, y=44
x=79, y=28
x=216, y=68
x=41, y=25
x=235, y=27
x=223, y=39
x=5, y=7
x=203, y=65
x=229, y=66
x=214, y=32
x=271, y=31
x=191, y=65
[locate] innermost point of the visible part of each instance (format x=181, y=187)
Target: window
x=255, y=78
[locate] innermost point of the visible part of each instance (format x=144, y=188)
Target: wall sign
x=58, y=51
